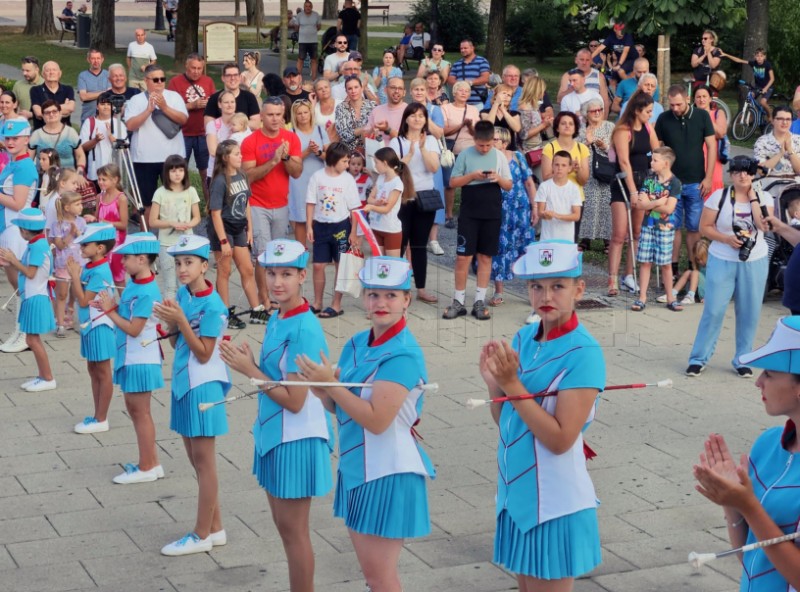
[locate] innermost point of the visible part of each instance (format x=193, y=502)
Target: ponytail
x=404, y=172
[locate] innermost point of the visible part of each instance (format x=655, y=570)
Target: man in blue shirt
x=92, y=83
x=474, y=69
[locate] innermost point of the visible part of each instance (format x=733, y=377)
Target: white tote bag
x=347, y=282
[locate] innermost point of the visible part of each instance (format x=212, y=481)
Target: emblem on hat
x=383, y=271
x=184, y=240
x=545, y=257
x=279, y=248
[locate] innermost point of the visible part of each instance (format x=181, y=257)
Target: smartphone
x=486, y=173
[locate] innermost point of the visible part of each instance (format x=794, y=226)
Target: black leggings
x=416, y=229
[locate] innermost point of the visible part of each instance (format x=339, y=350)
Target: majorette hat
x=386, y=273
x=549, y=259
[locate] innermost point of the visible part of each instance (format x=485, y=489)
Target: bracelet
x=736, y=524
x=223, y=241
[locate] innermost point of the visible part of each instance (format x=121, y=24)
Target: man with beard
x=293, y=81
x=22, y=88
x=246, y=101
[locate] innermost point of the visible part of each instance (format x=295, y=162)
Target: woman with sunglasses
x=352, y=114
x=382, y=74
x=252, y=77
x=705, y=58
x=313, y=142
x=435, y=63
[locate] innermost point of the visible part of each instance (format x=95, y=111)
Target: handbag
x=88, y=195
x=347, y=281
x=168, y=127
x=603, y=170
x=534, y=157
x=429, y=200
x=447, y=159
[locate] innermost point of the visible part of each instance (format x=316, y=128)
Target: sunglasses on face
x=158, y=79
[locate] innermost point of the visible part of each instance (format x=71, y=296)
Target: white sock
x=460, y=296
x=690, y=294
x=674, y=292
x=480, y=294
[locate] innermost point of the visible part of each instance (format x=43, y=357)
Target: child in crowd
x=658, y=196
x=98, y=134
x=230, y=230
x=695, y=278
x=331, y=197
x=48, y=165
x=35, y=311
x=559, y=201
x=175, y=211
x=240, y=128
x=393, y=186
x=363, y=179
x=763, y=76
x=97, y=330
x=68, y=226
x=112, y=207
x=793, y=212
x=196, y=321
x=137, y=361
x=545, y=497
x=65, y=180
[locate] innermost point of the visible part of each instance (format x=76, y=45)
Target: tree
x=330, y=9
x=186, y=33
x=39, y=18
x=284, y=35
x=496, y=37
x=103, y=30
x=255, y=12
x=363, y=41
x=756, y=31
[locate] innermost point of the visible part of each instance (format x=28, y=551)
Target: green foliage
x=784, y=39
x=6, y=83
x=458, y=20
x=534, y=28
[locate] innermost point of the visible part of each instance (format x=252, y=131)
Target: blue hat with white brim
x=97, y=232
x=15, y=128
x=139, y=243
x=284, y=252
x=386, y=273
x=30, y=219
x=781, y=352
x=191, y=244
x=549, y=259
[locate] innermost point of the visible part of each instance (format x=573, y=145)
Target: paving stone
x=119, y=569
x=34, y=528
x=102, y=520
x=53, y=578
x=10, y=486
x=663, y=550
x=670, y=578
x=30, y=463
x=142, y=584
x=57, y=502
x=75, y=548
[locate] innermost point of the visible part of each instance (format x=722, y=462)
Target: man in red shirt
x=269, y=156
x=195, y=88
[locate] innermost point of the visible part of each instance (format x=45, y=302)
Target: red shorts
x=391, y=241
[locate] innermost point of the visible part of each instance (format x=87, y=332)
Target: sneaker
x=450, y=223
x=532, y=318
x=132, y=474
x=663, y=299
x=259, y=315
x=629, y=284
x=15, y=344
x=456, y=309
x=480, y=312
x=219, y=538
x=40, y=384
x=744, y=372
x=235, y=322
x=694, y=370
x=187, y=545
x=61, y=331
x=91, y=426
x=435, y=248
x=687, y=300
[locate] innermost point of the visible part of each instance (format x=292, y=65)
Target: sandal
x=496, y=300
x=613, y=287
x=330, y=313
x=605, y=247
x=584, y=245
x=313, y=309
x=638, y=306
x=675, y=306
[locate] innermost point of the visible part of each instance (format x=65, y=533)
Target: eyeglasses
x=51, y=112
x=299, y=102
x=158, y=79
x=341, y=43
x=594, y=111
x=594, y=45
x=707, y=38
x=782, y=119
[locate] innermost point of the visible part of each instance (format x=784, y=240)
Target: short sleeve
x=311, y=189
x=56, y=229
x=400, y=369
x=575, y=197
x=549, y=151
x=193, y=197
x=37, y=253
x=310, y=340
x=542, y=193
x=459, y=168
x=248, y=149
x=295, y=147
x=95, y=283
x=212, y=323
x=351, y=192
x=158, y=196
x=432, y=145
x=217, y=193
x=484, y=65
x=85, y=134
x=143, y=307
x=586, y=369
x=712, y=203
x=583, y=150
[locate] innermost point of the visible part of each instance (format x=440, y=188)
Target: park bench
x=384, y=14
x=63, y=21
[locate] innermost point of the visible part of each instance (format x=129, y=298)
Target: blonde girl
x=393, y=187
x=65, y=179
x=49, y=163
x=68, y=226
x=112, y=207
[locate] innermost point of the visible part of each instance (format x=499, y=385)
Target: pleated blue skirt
x=98, y=344
x=392, y=507
x=36, y=315
x=186, y=418
x=139, y=378
x=295, y=470
x=565, y=547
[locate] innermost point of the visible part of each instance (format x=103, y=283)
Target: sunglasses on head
x=274, y=100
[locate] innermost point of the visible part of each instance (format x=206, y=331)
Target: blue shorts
x=330, y=240
x=655, y=246
x=198, y=146
x=689, y=207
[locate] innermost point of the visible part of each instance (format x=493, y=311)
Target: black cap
x=290, y=71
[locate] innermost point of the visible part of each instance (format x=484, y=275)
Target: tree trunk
x=496, y=39
x=284, y=35
x=39, y=19
x=663, y=72
x=434, y=25
x=363, y=42
x=330, y=9
x=186, y=32
x=255, y=12
x=103, y=33
x=756, y=32
x=237, y=8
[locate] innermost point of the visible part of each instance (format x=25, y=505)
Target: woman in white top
x=219, y=129
x=325, y=108
x=252, y=78
x=313, y=142
x=459, y=118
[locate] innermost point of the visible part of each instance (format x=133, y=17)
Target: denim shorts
x=197, y=145
x=689, y=207
x=330, y=240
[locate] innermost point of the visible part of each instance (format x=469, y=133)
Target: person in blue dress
x=759, y=494
x=195, y=321
x=137, y=360
x=98, y=341
x=381, y=488
x=547, y=531
x=292, y=432
x=35, y=311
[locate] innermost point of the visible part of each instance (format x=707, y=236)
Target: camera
x=117, y=101
x=743, y=163
x=746, y=233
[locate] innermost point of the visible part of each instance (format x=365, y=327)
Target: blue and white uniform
x=97, y=338
x=35, y=311
x=192, y=381
x=292, y=456
x=20, y=171
x=381, y=487
x=137, y=367
x=546, y=503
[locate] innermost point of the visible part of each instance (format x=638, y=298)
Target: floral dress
x=516, y=231
x=596, y=216
x=347, y=123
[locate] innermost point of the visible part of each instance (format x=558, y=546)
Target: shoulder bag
x=428, y=200
x=603, y=170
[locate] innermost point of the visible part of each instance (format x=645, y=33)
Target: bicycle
x=752, y=114
x=720, y=104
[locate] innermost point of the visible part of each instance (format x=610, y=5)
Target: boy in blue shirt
x=763, y=76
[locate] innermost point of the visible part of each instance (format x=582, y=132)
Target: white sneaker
x=132, y=474
x=662, y=299
x=687, y=300
x=435, y=248
x=40, y=384
x=14, y=344
x=27, y=383
x=91, y=426
x=187, y=545
x=218, y=538
x=532, y=318
x=629, y=284
x=61, y=331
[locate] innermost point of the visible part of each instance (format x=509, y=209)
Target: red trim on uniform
x=789, y=434
x=304, y=307
x=205, y=292
x=146, y=280
x=22, y=156
x=559, y=331
x=391, y=332
x=36, y=238
x=93, y=264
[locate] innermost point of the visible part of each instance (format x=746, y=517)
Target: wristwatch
x=285, y=158
x=223, y=241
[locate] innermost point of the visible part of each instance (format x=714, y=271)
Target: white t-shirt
x=239, y=137
x=333, y=61
x=388, y=222
x=103, y=151
x=141, y=55
x=423, y=178
x=420, y=39
x=149, y=144
x=560, y=199
x=744, y=210
x=333, y=197
x=223, y=132
x=574, y=101
x=325, y=121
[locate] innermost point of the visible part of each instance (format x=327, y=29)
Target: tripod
x=122, y=155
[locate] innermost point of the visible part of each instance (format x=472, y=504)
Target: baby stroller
x=328, y=37
x=782, y=252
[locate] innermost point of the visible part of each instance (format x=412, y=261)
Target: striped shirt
x=470, y=71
